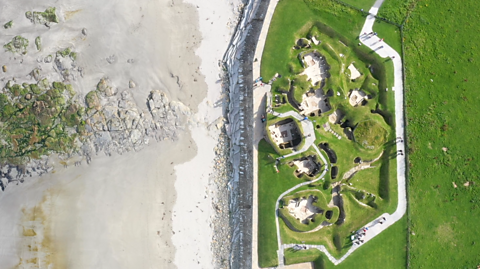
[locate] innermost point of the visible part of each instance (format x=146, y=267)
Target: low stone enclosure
x=285, y=133
x=336, y=116
x=316, y=67
x=354, y=74
x=303, y=209
x=279, y=100
x=308, y=211
x=301, y=43
x=357, y=97
x=314, y=103
x=306, y=166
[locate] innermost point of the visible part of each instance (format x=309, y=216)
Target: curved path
x=375, y=227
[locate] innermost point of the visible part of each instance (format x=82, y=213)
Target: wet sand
x=114, y=213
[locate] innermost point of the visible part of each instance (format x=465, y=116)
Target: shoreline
x=201, y=185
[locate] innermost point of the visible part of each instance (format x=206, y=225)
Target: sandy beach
x=195, y=183
x=146, y=209
x=111, y=215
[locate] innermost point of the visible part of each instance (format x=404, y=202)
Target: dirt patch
x=445, y=234
x=38, y=251
x=69, y=14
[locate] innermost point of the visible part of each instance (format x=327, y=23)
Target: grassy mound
x=370, y=134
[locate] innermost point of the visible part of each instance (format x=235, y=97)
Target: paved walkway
x=373, y=42
x=259, y=97
x=374, y=227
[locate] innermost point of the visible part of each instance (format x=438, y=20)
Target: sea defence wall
x=238, y=61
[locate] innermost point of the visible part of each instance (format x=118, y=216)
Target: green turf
x=395, y=10
x=299, y=256
x=442, y=63
x=370, y=134
x=362, y=4
x=390, y=33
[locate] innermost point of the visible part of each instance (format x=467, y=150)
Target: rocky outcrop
x=113, y=123
x=46, y=18
x=116, y=124
x=14, y=174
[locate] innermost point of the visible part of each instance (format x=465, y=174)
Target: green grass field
x=442, y=63
x=269, y=189
x=396, y=10
x=390, y=33
x=362, y=4
x=387, y=250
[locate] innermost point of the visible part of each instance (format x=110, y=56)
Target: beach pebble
x=131, y=84
x=14, y=173
x=112, y=59
x=48, y=59
x=3, y=183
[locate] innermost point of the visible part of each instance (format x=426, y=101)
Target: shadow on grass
x=384, y=186
x=319, y=263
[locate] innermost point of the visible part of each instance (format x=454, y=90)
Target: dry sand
x=193, y=210
x=116, y=212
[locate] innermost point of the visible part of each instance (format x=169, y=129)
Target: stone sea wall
x=238, y=62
